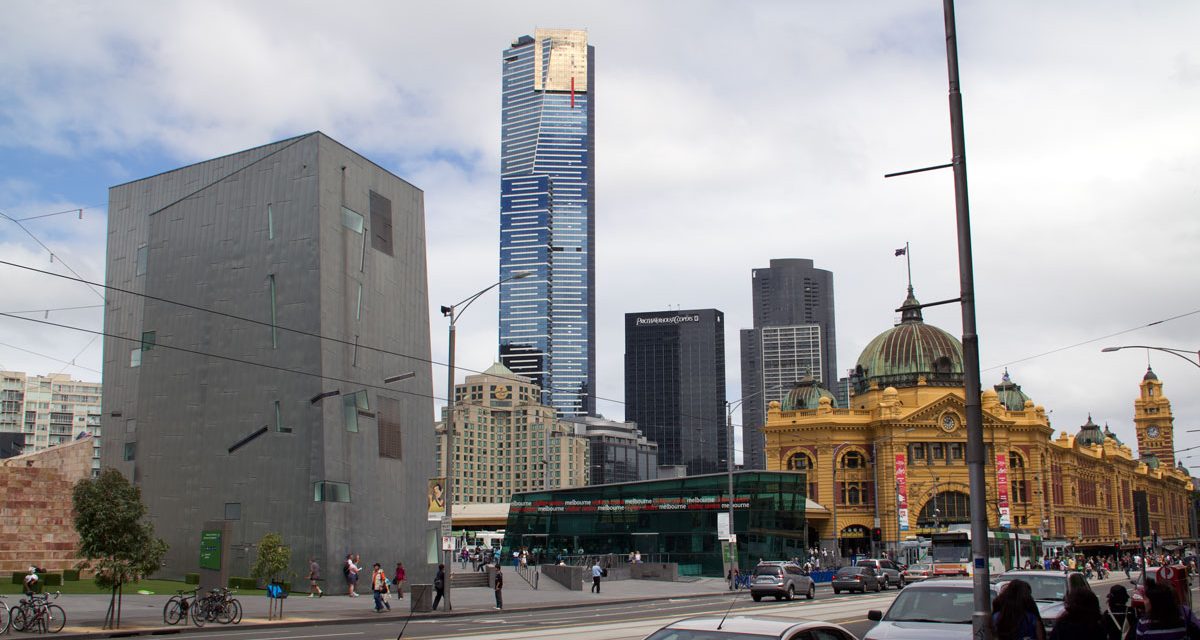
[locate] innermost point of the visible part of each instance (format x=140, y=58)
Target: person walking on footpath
x=596, y=571
x=439, y=586
x=398, y=580
x=379, y=587
x=314, y=574
x=499, y=588
x=351, y=570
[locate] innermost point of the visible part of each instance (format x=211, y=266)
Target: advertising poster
x=437, y=498
x=902, y=490
x=1002, y=489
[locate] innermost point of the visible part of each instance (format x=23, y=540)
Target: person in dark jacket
x=1080, y=619
x=1165, y=619
x=439, y=586
x=1015, y=614
x=1120, y=621
x=499, y=587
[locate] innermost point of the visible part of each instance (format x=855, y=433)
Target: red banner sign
x=902, y=490
x=1002, y=489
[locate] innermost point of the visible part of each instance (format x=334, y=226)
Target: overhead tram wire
x=51, y=252
x=49, y=357
x=86, y=306
x=78, y=210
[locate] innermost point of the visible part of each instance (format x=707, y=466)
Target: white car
x=750, y=628
x=938, y=609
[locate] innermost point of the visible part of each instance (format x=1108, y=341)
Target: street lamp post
x=729, y=407
x=1179, y=353
x=453, y=312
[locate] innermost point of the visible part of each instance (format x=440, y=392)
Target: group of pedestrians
x=1015, y=614
x=381, y=585
x=439, y=586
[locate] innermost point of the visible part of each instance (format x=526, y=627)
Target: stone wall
x=36, y=523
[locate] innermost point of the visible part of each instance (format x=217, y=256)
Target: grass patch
x=159, y=587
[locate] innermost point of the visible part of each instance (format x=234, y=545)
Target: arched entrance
x=854, y=540
x=945, y=508
x=812, y=538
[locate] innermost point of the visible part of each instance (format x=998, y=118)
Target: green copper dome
x=806, y=394
x=1010, y=394
x=910, y=350
x=1090, y=433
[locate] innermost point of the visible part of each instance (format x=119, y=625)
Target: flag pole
x=908, y=259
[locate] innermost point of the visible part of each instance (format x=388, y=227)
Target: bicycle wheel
x=20, y=618
x=198, y=615
x=173, y=610
x=55, y=618
x=5, y=616
x=237, y=607
x=225, y=612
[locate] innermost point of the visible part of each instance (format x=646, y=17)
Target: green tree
x=114, y=540
x=274, y=558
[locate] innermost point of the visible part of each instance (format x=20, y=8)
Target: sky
x=727, y=134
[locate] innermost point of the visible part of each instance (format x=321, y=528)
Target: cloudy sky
x=727, y=134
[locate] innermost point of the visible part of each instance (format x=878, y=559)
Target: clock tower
x=1153, y=422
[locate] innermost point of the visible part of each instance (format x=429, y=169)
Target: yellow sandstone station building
x=893, y=464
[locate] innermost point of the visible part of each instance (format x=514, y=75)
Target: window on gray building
x=326, y=491
x=143, y=254
x=390, y=445
x=149, y=339
x=270, y=223
x=352, y=220
x=279, y=420
x=233, y=511
x=130, y=451
x=135, y=357
x=274, y=328
x=352, y=403
x=381, y=223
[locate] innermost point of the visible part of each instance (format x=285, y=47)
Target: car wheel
x=791, y=594
x=879, y=586
x=757, y=598
x=778, y=598
x=812, y=591
x=884, y=583
x=837, y=591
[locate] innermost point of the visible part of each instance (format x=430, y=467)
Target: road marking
x=319, y=635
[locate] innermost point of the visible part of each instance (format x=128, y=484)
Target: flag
x=901, y=251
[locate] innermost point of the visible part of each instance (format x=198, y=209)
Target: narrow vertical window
x=149, y=339
x=143, y=255
x=270, y=223
x=355, y=363
x=358, y=305
x=279, y=420
x=274, y=332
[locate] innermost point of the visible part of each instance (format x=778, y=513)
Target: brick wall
x=36, y=525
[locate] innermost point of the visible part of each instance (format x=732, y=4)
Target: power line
x=78, y=210
x=86, y=306
x=85, y=348
x=42, y=355
x=49, y=250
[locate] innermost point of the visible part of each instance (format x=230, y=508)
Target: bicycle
x=177, y=608
x=37, y=615
x=217, y=606
x=5, y=613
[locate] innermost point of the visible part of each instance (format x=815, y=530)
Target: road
x=591, y=622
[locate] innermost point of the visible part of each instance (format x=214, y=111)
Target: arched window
x=800, y=462
x=853, y=496
x=948, y=507
x=1015, y=461
x=853, y=460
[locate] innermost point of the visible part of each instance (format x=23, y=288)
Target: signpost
x=210, y=550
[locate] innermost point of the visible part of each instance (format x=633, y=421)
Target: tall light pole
x=1179, y=353
x=453, y=312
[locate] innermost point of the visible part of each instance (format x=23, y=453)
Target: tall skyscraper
x=547, y=217
x=675, y=385
x=793, y=337
x=226, y=416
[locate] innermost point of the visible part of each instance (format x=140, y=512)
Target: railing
x=530, y=574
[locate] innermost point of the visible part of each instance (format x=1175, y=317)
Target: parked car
x=1049, y=590
x=935, y=610
x=886, y=570
x=745, y=627
x=860, y=579
x=915, y=573
x=782, y=580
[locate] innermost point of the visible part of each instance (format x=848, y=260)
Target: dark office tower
x=675, y=385
x=547, y=217
x=793, y=337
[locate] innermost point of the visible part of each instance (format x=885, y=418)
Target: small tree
x=274, y=558
x=113, y=540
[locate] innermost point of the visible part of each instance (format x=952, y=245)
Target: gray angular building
x=259, y=404
x=793, y=337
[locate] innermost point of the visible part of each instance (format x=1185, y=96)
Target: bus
x=950, y=551
x=913, y=551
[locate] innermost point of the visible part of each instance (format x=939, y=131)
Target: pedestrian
x=379, y=587
x=1080, y=619
x=499, y=587
x=1119, y=621
x=516, y=559
x=1076, y=581
x=1015, y=614
x=1165, y=618
x=637, y=556
x=314, y=574
x=398, y=580
x=596, y=572
x=31, y=581
x=439, y=586
x=351, y=569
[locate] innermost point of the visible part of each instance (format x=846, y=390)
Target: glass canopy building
x=547, y=217
x=672, y=520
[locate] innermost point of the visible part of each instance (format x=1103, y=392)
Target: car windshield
x=691, y=634
x=768, y=571
x=951, y=552
x=918, y=567
x=1051, y=587
x=951, y=606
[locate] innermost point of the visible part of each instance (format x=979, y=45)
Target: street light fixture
x=453, y=312
x=1179, y=353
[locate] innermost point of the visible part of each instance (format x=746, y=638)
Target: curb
x=348, y=619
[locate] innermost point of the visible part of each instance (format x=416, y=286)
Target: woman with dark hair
x=1015, y=614
x=1080, y=618
x=1164, y=618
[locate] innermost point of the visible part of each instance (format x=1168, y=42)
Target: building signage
x=1002, y=489
x=902, y=491
x=437, y=498
x=657, y=320
x=210, y=550
x=700, y=503
x=722, y=526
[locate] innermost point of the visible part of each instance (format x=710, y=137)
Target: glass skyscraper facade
x=547, y=217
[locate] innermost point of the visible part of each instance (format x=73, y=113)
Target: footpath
x=143, y=614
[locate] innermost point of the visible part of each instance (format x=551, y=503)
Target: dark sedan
x=860, y=579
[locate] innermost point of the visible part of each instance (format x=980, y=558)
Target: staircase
x=468, y=579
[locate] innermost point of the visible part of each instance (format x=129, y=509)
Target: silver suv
x=886, y=570
x=782, y=580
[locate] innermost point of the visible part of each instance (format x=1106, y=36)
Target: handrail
x=532, y=578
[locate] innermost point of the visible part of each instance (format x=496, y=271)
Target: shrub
x=243, y=583
x=52, y=579
x=191, y=578
x=70, y=575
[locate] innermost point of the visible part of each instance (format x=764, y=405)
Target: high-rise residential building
x=548, y=217
x=675, y=385
x=49, y=410
x=261, y=405
x=506, y=440
x=793, y=338
x=619, y=451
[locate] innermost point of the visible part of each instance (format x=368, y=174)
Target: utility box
x=421, y=598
